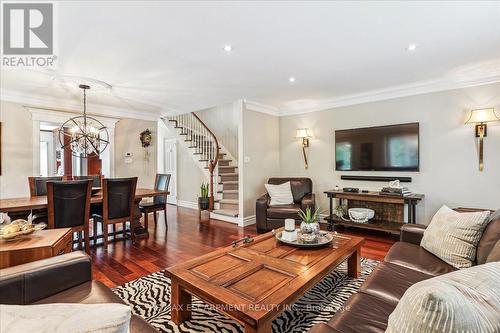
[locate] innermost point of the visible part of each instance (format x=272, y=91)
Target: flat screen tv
x=382, y=148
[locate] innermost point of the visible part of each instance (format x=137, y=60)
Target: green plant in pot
x=203, y=200
x=309, y=227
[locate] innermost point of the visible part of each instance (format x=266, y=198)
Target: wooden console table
x=39, y=245
x=389, y=210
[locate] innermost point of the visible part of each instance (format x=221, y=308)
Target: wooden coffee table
x=253, y=283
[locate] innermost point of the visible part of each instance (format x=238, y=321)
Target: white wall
x=223, y=122
x=261, y=149
x=17, y=150
x=189, y=175
x=127, y=139
x=448, y=151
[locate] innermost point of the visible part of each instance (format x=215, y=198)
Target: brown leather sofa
x=272, y=217
x=61, y=279
x=405, y=264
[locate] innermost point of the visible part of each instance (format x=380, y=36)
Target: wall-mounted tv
x=382, y=148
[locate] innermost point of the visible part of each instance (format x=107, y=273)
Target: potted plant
x=203, y=200
x=309, y=227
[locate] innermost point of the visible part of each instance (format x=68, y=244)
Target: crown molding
x=413, y=89
x=262, y=108
x=65, y=105
x=59, y=116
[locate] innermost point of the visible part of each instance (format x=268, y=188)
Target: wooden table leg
x=266, y=327
x=136, y=228
x=329, y=227
x=354, y=265
x=180, y=304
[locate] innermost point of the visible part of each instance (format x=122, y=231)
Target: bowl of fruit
x=19, y=228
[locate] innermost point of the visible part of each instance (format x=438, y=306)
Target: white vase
x=309, y=231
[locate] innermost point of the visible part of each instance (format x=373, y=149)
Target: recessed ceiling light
x=227, y=48
x=291, y=79
x=411, y=47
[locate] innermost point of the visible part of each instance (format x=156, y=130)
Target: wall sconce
x=304, y=134
x=480, y=117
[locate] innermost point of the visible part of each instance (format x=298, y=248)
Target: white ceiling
x=164, y=56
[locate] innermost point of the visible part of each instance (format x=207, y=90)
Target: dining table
x=22, y=204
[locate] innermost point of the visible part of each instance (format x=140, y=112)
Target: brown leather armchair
x=272, y=217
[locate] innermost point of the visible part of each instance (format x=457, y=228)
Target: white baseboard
x=249, y=220
x=225, y=218
x=187, y=204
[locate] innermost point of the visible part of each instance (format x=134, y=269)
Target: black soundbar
x=376, y=178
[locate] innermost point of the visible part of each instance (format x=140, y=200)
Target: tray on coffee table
x=323, y=239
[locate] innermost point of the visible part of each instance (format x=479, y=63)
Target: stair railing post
x=211, y=200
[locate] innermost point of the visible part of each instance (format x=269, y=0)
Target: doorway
x=170, y=167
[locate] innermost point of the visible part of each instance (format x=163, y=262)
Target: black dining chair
x=159, y=202
x=118, y=205
x=38, y=187
x=68, y=206
x=96, y=179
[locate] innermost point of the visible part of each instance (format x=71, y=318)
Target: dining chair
x=159, y=202
x=118, y=205
x=68, y=206
x=96, y=179
x=38, y=187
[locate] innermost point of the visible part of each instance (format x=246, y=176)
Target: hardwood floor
x=187, y=237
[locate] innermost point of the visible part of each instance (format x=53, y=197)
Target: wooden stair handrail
x=211, y=164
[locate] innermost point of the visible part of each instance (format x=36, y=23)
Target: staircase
x=212, y=157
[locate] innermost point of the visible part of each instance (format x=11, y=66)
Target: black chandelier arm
x=73, y=120
x=106, y=141
x=90, y=141
x=69, y=143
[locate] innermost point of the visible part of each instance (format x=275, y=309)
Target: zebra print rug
x=149, y=297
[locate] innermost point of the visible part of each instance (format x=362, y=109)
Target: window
x=44, y=158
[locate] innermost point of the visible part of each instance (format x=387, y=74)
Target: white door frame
x=171, y=199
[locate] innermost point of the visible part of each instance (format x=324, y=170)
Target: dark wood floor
x=187, y=237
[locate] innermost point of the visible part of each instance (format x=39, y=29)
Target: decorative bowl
x=19, y=228
x=361, y=215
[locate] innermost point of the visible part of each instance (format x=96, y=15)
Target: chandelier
x=83, y=135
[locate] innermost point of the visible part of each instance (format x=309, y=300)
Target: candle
x=289, y=224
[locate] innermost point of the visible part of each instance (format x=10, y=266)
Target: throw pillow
x=65, y=318
x=466, y=300
x=453, y=236
x=280, y=194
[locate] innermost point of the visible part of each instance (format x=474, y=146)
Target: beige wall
x=448, y=153
x=189, y=175
x=261, y=146
x=144, y=165
x=17, y=150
